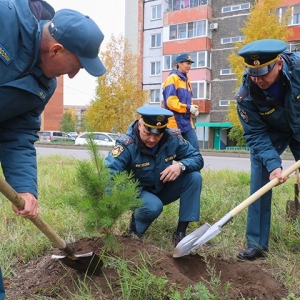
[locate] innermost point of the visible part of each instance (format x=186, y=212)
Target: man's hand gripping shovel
x=88, y=263
x=206, y=232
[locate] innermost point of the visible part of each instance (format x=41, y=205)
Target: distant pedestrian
x=177, y=94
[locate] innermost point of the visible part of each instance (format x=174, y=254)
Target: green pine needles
x=105, y=197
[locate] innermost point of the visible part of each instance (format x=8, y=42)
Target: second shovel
x=206, y=232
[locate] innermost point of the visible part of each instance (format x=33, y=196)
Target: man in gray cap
x=178, y=97
x=36, y=46
x=268, y=107
x=149, y=150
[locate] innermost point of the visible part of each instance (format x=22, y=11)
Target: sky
x=110, y=17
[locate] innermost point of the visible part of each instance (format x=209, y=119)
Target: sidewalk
x=224, y=153
x=204, y=152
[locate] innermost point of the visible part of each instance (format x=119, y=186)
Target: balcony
x=204, y=106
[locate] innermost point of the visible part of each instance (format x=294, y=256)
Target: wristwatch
x=182, y=167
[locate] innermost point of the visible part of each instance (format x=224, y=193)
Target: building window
x=226, y=72
x=293, y=47
x=188, y=30
x=156, y=40
x=230, y=40
x=227, y=9
x=183, y=4
x=155, y=68
x=295, y=11
x=156, y=12
x=202, y=59
x=224, y=102
x=295, y=19
x=155, y=96
x=201, y=90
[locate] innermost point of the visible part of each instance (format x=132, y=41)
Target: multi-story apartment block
x=53, y=112
x=207, y=29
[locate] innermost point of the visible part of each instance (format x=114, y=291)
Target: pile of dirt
x=48, y=278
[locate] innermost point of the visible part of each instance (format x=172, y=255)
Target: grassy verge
x=222, y=191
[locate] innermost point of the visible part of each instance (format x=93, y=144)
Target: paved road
x=211, y=162
x=233, y=163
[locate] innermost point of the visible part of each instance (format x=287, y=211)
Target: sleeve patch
x=243, y=115
x=116, y=151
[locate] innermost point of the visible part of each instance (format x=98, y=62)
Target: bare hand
x=170, y=173
x=30, y=210
x=277, y=173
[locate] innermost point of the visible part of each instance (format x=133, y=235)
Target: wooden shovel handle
x=267, y=187
x=19, y=202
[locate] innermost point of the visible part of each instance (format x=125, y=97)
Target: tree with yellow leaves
x=117, y=94
x=262, y=23
x=68, y=121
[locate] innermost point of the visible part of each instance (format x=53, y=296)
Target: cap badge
x=160, y=118
x=254, y=56
x=158, y=124
x=256, y=63
x=189, y=58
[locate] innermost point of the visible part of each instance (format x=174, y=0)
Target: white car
x=100, y=138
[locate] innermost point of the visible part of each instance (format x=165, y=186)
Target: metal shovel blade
x=208, y=235
x=185, y=246
x=89, y=263
x=200, y=236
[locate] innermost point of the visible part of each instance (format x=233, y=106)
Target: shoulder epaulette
x=294, y=64
x=241, y=94
x=297, y=64
x=126, y=139
x=174, y=132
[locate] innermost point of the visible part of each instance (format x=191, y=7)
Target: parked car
x=100, y=138
x=73, y=134
x=56, y=136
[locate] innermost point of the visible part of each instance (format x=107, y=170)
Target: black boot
x=177, y=237
x=132, y=229
x=253, y=254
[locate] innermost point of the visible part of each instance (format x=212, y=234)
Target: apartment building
x=207, y=29
x=53, y=112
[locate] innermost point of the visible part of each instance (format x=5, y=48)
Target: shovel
x=206, y=232
x=292, y=206
x=88, y=263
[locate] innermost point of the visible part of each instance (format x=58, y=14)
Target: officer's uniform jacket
x=177, y=94
x=131, y=154
x=24, y=92
x=269, y=123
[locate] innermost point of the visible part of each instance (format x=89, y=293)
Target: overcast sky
x=110, y=17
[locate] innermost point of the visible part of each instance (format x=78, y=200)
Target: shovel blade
x=89, y=263
x=208, y=235
x=186, y=245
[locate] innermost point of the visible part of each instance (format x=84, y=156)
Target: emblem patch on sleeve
x=243, y=115
x=116, y=151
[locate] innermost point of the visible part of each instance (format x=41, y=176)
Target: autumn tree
x=68, y=121
x=262, y=23
x=117, y=94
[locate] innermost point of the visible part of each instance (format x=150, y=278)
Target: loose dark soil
x=45, y=278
